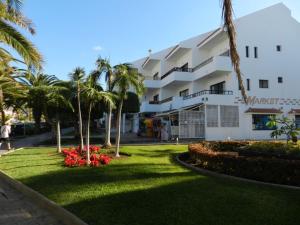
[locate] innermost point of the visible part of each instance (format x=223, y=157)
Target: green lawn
x=150, y=188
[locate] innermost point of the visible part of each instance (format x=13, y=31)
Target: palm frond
x=10, y=36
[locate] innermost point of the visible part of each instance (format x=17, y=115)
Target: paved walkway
x=16, y=209
x=33, y=140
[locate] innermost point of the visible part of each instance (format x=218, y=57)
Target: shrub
x=267, y=169
x=271, y=149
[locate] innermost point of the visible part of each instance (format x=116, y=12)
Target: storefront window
x=259, y=122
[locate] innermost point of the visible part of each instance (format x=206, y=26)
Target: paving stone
x=17, y=209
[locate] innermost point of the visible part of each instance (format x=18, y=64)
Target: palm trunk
x=1, y=107
x=80, y=118
x=107, y=143
x=118, y=135
x=88, y=161
x=227, y=14
x=58, y=136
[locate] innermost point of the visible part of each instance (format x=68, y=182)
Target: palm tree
x=126, y=77
x=10, y=18
x=39, y=85
x=77, y=78
x=57, y=102
x=93, y=93
x=227, y=12
x=103, y=66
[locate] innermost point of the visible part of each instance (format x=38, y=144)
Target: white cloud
x=97, y=48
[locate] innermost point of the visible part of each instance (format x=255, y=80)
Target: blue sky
x=73, y=33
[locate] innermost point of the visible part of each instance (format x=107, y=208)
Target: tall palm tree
x=93, y=93
x=126, y=77
x=227, y=15
x=11, y=17
x=39, y=85
x=77, y=77
x=103, y=66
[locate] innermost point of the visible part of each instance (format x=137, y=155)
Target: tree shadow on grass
x=198, y=201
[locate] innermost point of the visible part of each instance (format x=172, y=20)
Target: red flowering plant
x=75, y=156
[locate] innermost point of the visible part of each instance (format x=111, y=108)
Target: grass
x=150, y=188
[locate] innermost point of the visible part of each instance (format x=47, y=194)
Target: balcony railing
x=161, y=102
x=208, y=92
x=177, y=69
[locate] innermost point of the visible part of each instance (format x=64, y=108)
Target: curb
x=11, y=151
x=59, y=212
x=225, y=176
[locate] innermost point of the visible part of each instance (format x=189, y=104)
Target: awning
x=170, y=112
x=294, y=111
x=264, y=110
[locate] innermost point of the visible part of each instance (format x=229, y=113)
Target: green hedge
x=266, y=169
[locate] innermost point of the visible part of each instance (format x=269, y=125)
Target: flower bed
x=75, y=156
x=265, y=168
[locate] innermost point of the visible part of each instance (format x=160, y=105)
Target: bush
x=222, y=146
x=271, y=149
x=266, y=169
x=77, y=157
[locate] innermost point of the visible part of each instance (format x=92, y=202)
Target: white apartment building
x=194, y=87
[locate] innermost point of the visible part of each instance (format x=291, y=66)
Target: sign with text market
x=254, y=100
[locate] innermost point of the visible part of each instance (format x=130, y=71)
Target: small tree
x=283, y=126
x=126, y=77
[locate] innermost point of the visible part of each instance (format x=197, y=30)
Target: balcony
x=177, y=102
x=209, y=97
x=213, y=65
x=177, y=75
x=156, y=106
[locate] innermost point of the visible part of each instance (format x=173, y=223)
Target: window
x=278, y=48
x=248, y=84
x=247, y=51
x=184, y=93
x=156, y=98
x=229, y=116
x=280, y=80
x=255, y=52
x=297, y=121
x=259, y=122
x=263, y=84
x=218, y=88
x=212, y=116
x=155, y=76
x=185, y=67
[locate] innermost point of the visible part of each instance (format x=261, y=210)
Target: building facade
x=193, y=87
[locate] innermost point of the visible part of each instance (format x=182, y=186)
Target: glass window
x=278, y=48
x=248, y=84
x=259, y=122
x=247, y=51
x=218, y=88
x=155, y=76
x=184, y=93
x=156, y=98
x=255, y=52
x=263, y=84
x=280, y=80
x=297, y=121
x=229, y=116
